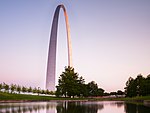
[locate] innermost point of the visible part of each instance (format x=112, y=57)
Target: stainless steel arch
x=51, y=63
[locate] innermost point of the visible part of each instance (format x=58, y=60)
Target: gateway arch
x=51, y=63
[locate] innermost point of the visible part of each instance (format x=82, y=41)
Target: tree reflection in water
x=119, y=104
x=50, y=107
x=135, y=108
x=73, y=107
x=79, y=107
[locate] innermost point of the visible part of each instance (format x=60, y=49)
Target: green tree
x=13, y=88
x=69, y=84
x=29, y=90
x=147, y=85
x=92, y=88
x=18, y=89
x=58, y=91
x=39, y=90
x=1, y=86
x=24, y=89
x=6, y=87
x=43, y=92
x=139, y=86
x=140, y=82
x=47, y=92
x=100, y=92
x=119, y=92
x=35, y=90
x=131, y=88
x=51, y=93
x=81, y=87
x=113, y=93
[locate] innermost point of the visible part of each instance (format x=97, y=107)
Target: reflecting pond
x=73, y=107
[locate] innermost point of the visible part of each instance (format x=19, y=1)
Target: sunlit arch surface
x=51, y=63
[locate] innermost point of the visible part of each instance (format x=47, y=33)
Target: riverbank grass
x=25, y=97
x=9, y=96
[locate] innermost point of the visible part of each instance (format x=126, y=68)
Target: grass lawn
x=136, y=99
x=9, y=96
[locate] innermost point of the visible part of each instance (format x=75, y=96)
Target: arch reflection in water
x=32, y=107
x=73, y=107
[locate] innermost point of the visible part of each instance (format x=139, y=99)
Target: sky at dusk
x=110, y=40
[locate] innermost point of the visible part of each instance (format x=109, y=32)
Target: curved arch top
x=51, y=63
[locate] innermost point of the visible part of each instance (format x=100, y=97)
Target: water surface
x=73, y=107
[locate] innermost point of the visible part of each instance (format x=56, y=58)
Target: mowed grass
x=9, y=96
x=138, y=98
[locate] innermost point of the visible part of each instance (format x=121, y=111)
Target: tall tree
x=92, y=88
x=69, y=84
x=131, y=87
x=140, y=82
x=140, y=86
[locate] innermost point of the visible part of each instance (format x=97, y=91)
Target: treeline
x=13, y=88
x=70, y=85
x=140, y=86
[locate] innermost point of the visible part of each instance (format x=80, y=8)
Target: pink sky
x=110, y=40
